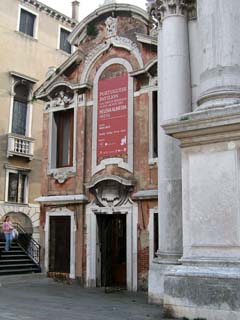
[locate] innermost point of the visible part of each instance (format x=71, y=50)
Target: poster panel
x=112, y=130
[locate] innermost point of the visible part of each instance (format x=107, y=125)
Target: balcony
x=20, y=146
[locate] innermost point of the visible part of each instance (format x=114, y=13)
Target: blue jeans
x=8, y=239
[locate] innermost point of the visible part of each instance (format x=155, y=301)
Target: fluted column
x=219, y=26
x=174, y=99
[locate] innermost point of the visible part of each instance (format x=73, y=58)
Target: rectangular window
x=27, y=21
x=155, y=234
x=64, y=137
x=19, y=117
x=64, y=44
x=17, y=187
x=155, y=124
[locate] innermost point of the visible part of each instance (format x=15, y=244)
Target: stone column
x=174, y=99
x=219, y=26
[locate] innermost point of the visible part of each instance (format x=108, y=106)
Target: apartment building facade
x=33, y=38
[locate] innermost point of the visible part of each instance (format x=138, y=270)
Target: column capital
x=160, y=9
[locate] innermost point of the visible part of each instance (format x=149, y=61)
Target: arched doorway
x=23, y=220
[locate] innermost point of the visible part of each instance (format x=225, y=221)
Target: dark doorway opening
x=59, y=253
x=113, y=251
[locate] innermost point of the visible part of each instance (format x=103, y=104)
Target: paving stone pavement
x=45, y=299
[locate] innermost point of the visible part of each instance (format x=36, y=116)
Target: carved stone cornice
x=160, y=9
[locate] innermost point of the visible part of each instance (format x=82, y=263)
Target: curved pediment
x=79, y=33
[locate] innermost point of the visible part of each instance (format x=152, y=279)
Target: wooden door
x=59, y=244
x=112, y=238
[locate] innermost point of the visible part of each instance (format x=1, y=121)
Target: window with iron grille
x=64, y=44
x=27, y=21
x=17, y=187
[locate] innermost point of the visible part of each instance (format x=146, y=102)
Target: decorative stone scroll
x=159, y=9
x=111, y=27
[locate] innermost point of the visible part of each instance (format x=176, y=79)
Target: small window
x=64, y=136
x=155, y=234
x=20, y=105
x=154, y=124
x=27, y=22
x=64, y=44
x=17, y=187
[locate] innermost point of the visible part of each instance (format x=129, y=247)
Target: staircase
x=23, y=256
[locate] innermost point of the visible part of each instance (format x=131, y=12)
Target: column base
x=158, y=268
x=202, y=292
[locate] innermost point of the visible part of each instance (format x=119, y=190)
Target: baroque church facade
x=99, y=190
x=141, y=155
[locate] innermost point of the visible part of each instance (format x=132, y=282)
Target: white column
x=219, y=26
x=174, y=99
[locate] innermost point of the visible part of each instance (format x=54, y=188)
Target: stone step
x=6, y=261
x=18, y=271
x=16, y=265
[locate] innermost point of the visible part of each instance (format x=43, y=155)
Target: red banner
x=112, y=117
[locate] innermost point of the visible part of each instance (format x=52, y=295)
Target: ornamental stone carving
x=159, y=9
x=111, y=27
x=99, y=48
x=110, y=193
x=116, y=41
x=62, y=176
x=61, y=100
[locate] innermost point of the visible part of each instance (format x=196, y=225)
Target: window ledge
x=64, y=52
x=22, y=34
x=153, y=161
x=16, y=204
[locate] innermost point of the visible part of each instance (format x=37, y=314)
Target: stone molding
x=119, y=42
x=205, y=127
x=62, y=199
x=51, y=12
x=160, y=9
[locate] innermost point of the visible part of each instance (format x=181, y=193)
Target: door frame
x=60, y=212
x=131, y=211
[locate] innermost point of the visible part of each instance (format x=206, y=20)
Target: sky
x=86, y=6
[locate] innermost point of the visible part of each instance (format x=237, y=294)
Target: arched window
x=20, y=105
